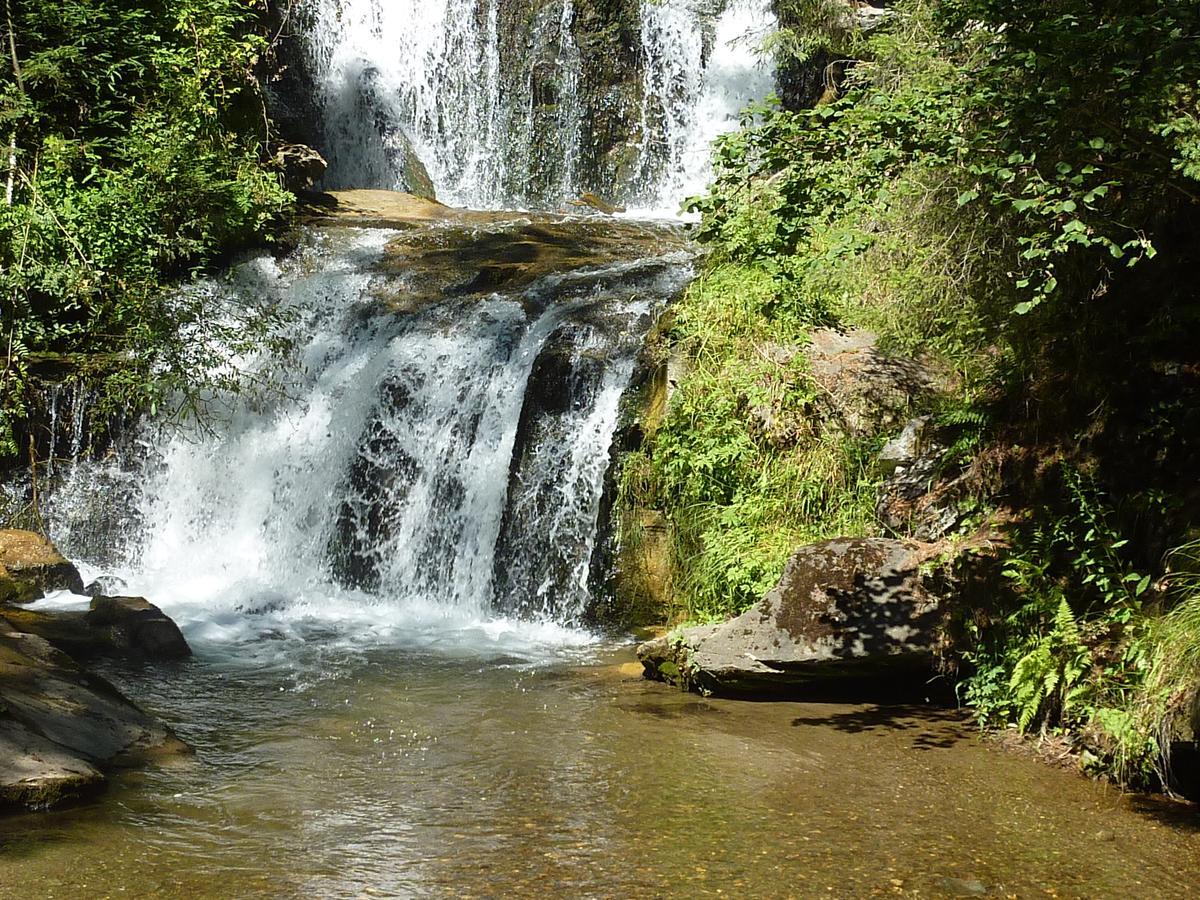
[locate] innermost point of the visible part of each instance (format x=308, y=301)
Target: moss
x=51, y=793
x=744, y=466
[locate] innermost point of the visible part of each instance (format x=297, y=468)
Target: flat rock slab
x=60, y=726
x=850, y=609
x=36, y=773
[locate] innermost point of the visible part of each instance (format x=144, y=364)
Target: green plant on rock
x=1069, y=651
x=741, y=467
x=1166, y=704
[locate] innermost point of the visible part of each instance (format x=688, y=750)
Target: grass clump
x=740, y=467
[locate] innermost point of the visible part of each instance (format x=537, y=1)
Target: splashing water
x=697, y=81
x=503, y=111
x=435, y=469
x=441, y=467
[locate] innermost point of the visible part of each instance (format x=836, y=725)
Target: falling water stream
x=392, y=570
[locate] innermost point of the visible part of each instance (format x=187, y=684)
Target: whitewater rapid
x=430, y=475
x=435, y=81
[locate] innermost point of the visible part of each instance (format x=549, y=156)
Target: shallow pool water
x=333, y=772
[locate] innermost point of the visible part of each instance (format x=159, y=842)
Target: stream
x=496, y=767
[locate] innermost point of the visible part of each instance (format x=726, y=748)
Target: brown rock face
x=851, y=608
x=137, y=625
x=35, y=565
x=865, y=387
x=302, y=166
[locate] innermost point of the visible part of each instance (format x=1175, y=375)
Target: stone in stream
x=853, y=608
x=61, y=726
x=137, y=625
x=34, y=565
x=36, y=773
x=104, y=585
x=120, y=627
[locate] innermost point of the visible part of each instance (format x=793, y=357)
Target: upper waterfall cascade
x=530, y=103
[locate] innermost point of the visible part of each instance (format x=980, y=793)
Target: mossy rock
x=13, y=590
x=31, y=560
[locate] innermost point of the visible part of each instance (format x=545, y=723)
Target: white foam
x=371, y=506
x=427, y=74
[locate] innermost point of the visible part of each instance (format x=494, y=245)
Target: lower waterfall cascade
x=439, y=459
x=444, y=452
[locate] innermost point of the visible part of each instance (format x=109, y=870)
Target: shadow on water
x=672, y=711
x=939, y=728
x=1181, y=815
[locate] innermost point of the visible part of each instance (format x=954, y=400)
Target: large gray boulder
x=61, y=727
x=853, y=608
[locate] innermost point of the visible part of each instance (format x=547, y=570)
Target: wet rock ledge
x=62, y=727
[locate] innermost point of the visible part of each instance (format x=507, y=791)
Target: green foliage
x=136, y=132
x=1064, y=128
x=1164, y=704
x=1080, y=125
x=811, y=27
x=1047, y=678
x=1070, y=654
x=738, y=467
x=966, y=424
x=992, y=177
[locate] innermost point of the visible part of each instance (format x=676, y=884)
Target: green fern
x=1050, y=676
x=968, y=424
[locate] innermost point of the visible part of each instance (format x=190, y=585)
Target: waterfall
x=418, y=85
x=440, y=456
x=513, y=103
x=699, y=75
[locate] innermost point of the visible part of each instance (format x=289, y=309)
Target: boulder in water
x=104, y=585
x=35, y=565
x=67, y=631
x=849, y=609
x=61, y=726
x=36, y=773
x=137, y=625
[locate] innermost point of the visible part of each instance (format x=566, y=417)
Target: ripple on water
x=401, y=772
